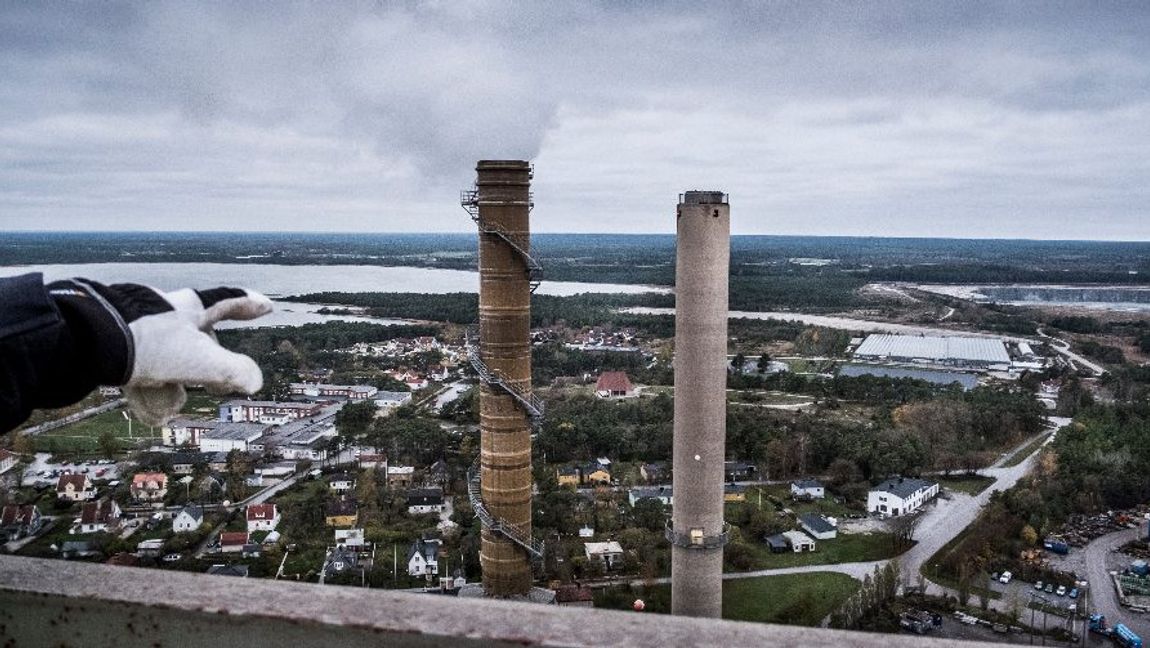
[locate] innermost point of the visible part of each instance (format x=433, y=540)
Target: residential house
x=596, y=473
x=233, y=541
x=7, y=460
x=900, y=495
x=739, y=471
x=19, y=521
x=184, y=463
x=237, y=571
x=343, y=512
x=262, y=517
x=371, y=461
x=777, y=543
x=338, y=560
x=425, y=500
x=75, y=487
x=655, y=473
x=614, y=384
x=341, y=483
x=567, y=476
x=438, y=372
x=423, y=558
x=400, y=476
x=799, y=541
x=149, y=486
x=102, y=516
x=662, y=494
x=574, y=596
x=188, y=519
x=734, y=493
x=350, y=538
x=807, y=489
x=819, y=527
x=607, y=554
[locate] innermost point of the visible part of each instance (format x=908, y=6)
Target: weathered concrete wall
x=61, y=603
x=702, y=260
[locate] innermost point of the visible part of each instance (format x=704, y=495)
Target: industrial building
x=966, y=352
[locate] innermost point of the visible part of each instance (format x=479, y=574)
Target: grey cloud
x=822, y=117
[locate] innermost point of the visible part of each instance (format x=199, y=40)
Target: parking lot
x=42, y=472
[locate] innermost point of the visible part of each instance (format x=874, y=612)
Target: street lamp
x=127, y=417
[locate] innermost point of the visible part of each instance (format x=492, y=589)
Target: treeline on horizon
x=615, y=258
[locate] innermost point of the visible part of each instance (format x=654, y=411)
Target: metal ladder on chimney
x=512, y=532
x=469, y=199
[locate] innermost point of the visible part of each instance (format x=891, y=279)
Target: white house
x=389, y=400
x=799, y=541
x=423, y=558
x=75, y=487
x=262, y=517
x=607, y=554
x=807, y=489
x=188, y=519
x=900, y=495
x=341, y=483
x=425, y=500
x=98, y=516
x=819, y=527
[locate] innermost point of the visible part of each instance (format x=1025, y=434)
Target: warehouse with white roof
x=972, y=352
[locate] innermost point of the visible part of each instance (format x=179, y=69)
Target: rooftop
x=902, y=487
x=929, y=347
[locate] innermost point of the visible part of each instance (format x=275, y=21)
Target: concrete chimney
x=500, y=485
x=697, y=531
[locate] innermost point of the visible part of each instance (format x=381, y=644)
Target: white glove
x=164, y=341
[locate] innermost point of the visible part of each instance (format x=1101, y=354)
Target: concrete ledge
x=60, y=603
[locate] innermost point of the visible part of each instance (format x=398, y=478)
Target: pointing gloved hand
x=153, y=343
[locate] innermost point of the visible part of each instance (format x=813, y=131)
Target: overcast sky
x=957, y=119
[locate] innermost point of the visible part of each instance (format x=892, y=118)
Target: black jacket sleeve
x=56, y=346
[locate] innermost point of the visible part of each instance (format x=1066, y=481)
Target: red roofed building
x=18, y=521
x=233, y=541
x=262, y=517
x=149, y=486
x=613, y=384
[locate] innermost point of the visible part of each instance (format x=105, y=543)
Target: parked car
x=1073, y=593
x=1061, y=591
x=1038, y=586
x=172, y=557
x=994, y=576
x=1005, y=577
x=1049, y=589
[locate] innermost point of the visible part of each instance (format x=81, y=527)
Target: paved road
x=1103, y=598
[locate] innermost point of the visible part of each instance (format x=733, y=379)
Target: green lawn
x=84, y=436
x=782, y=492
x=1025, y=451
x=969, y=484
x=795, y=599
x=846, y=548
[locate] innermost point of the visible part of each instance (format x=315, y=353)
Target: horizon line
x=622, y=234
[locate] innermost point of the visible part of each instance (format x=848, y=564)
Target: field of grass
x=782, y=492
x=83, y=437
x=795, y=599
x=1025, y=452
x=846, y=548
x=969, y=484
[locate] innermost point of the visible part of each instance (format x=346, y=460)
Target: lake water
x=278, y=280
